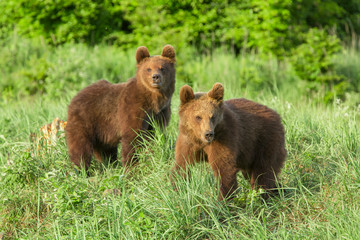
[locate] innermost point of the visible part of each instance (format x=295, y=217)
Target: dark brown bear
x=233, y=135
x=103, y=114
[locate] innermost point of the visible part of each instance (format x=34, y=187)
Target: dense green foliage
x=306, y=32
x=271, y=25
x=41, y=196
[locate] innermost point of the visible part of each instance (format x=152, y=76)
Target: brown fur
x=104, y=114
x=233, y=135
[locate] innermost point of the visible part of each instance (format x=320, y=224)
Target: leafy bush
x=340, y=17
x=63, y=21
x=257, y=24
x=304, y=30
x=268, y=26
x=313, y=61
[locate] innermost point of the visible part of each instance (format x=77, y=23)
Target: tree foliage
x=308, y=32
x=263, y=25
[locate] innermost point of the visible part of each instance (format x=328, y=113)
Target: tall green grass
x=41, y=196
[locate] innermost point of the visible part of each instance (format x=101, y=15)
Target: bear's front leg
x=226, y=177
x=130, y=137
x=186, y=154
x=163, y=118
x=223, y=164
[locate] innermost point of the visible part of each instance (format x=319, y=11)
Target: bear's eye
x=198, y=118
x=149, y=69
x=163, y=69
x=212, y=118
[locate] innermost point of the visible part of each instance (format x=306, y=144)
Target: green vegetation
x=42, y=196
x=298, y=57
x=308, y=33
x=29, y=67
x=270, y=26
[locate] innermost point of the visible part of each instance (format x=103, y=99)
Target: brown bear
x=233, y=135
x=103, y=114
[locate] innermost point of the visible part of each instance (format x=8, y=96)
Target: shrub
x=313, y=61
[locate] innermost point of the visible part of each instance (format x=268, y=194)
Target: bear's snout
x=156, y=79
x=209, y=136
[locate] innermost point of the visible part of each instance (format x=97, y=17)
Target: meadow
x=42, y=197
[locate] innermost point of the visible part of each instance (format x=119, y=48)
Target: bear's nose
x=209, y=135
x=156, y=78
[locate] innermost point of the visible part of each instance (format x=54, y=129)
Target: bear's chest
x=158, y=105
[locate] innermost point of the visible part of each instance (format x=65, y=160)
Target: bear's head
x=200, y=113
x=156, y=73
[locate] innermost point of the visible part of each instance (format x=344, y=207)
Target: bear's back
x=247, y=108
x=257, y=121
x=94, y=101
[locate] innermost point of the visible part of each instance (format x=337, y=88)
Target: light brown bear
x=233, y=135
x=103, y=114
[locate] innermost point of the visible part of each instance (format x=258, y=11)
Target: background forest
x=307, y=34
x=299, y=57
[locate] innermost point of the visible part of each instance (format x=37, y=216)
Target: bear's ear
x=186, y=94
x=141, y=53
x=169, y=52
x=217, y=92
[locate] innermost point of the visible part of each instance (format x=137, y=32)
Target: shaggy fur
x=104, y=114
x=234, y=135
